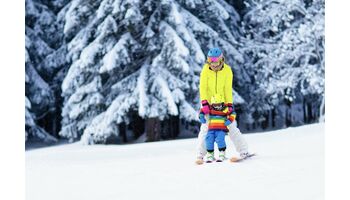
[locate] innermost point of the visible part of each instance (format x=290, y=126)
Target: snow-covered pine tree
x=82, y=86
x=140, y=57
x=39, y=96
x=32, y=130
x=45, y=59
x=285, y=56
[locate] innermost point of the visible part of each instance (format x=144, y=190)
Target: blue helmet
x=214, y=52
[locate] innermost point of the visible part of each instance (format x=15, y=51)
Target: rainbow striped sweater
x=217, y=119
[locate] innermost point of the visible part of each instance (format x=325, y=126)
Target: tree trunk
x=322, y=110
x=273, y=117
x=138, y=126
x=288, y=121
x=265, y=124
x=152, y=129
x=174, y=127
x=122, y=132
x=309, y=112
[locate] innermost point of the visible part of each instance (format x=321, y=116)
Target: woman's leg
x=237, y=138
x=201, y=146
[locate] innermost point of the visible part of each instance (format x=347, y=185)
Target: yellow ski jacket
x=219, y=82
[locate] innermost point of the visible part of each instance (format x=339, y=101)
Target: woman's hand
x=205, y=107
x=230, y=108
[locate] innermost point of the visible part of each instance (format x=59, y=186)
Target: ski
x=199, y=162
x=235, y=159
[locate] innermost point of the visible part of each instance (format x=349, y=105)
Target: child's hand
x=202, y=119
x=227, y=122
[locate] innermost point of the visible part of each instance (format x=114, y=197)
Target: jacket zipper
x=216, y=82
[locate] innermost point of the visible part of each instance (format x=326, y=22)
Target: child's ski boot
x=210, y=157
x=221, y=156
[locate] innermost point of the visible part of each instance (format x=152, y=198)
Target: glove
x=227, y=122
x=202, y=119
x=230, y=108
x=205, y=107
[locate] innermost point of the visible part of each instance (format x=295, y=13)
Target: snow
x=174, y=13
x=133, y=14
x=84, y=97
x=141, y=88
x=237, y=99
x=29, y=116
x=188, y=112
x=116, y=7
x=289, y=166
x=40, y=92
x=165, y=92
x=221, y=10
x=98, y=130
x=178, y=43
x=119, y=55
x=71, y=19
x=105, y=7
x=105, y=29
x=88, y=55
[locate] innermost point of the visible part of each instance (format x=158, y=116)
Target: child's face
x=218, y=106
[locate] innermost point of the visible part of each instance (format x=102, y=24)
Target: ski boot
x=210, y=157
x=221, y=156
x=244, y=155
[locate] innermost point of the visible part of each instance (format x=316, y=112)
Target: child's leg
x=237, y=138
x=220, y=140
x=209, y=141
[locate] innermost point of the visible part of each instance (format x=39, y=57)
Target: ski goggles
x=214, y=60
x=218, y=106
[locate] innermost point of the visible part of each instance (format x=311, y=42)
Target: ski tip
x=199, y=162
x=235, y=159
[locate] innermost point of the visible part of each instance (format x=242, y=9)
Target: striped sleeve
x=201, y=113
x=232, y=116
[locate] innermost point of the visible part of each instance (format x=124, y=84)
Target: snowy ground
x=290, y=166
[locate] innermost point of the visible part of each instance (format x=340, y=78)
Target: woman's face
x=215, y=63
x=216, y=66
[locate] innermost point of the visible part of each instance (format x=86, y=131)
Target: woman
x=216, y=78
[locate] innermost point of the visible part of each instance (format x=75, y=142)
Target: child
x=219, y=118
